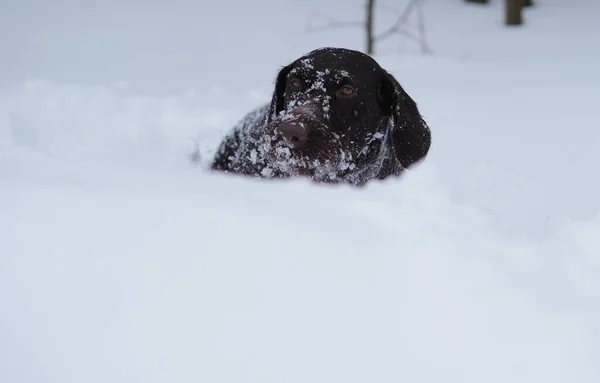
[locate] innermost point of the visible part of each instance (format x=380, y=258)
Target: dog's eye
x=346, y=90
x=295, y=83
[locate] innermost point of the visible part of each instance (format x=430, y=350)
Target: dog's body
x=335, y=116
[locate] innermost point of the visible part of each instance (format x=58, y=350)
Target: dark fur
x=372, y=134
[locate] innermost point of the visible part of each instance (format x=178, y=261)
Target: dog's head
x=336, y=115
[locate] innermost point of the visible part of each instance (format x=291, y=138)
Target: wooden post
x=369, y=25
x=514, y=12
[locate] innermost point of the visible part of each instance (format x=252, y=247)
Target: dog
x=336, y=116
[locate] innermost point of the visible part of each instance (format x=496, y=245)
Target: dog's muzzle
x=294, y=133
x=296, y=126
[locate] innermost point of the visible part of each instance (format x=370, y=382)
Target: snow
x=121, y=260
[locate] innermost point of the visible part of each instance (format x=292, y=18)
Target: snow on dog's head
x=335, y=116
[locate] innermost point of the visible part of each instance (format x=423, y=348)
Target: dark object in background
x=335, y=116
x=514, y=12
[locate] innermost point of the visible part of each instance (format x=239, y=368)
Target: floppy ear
x=278, y=92
x=410, y=135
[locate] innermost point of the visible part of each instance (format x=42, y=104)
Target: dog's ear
x=410, y=135
x=280, y=84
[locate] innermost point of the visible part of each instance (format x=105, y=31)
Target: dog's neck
x=382, y=163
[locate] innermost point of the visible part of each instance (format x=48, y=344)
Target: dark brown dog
x=335, y=116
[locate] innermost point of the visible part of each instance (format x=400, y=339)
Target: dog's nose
x=294, y=134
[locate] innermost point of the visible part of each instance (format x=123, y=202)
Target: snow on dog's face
x=330, y=117
x=335, y=116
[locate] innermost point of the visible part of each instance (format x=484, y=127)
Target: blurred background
x=181, y=44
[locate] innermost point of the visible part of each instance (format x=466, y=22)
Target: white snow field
x=123, y=261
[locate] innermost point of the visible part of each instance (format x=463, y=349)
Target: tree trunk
x=514, y=12
x=369, y=25
x=477, y=1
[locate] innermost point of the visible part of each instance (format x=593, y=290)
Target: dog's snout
x=294, y=133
